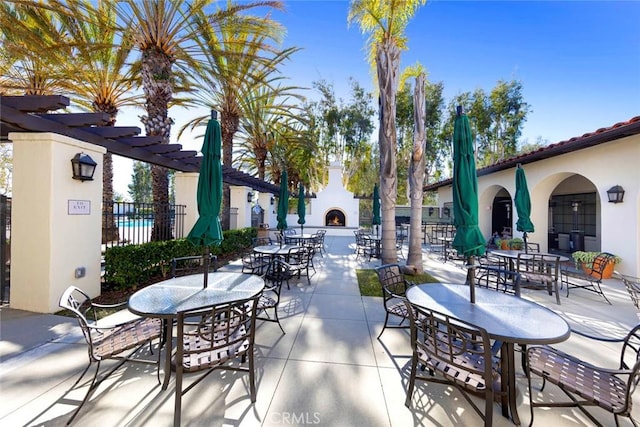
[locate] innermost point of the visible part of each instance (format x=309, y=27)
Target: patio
x=329, y=369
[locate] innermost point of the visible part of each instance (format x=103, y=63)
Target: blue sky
x=578, y=61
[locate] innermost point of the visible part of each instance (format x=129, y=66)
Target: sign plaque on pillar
x=78, y=207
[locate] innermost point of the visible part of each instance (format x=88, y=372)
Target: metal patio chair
x=211, y=337
x=587, y=384
x=539, y=270
x=394, y=289
x=572, y=277
x=114, y=342
x=453, y=352
x=277, y=272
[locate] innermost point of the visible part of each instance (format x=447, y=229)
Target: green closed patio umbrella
x=302, y=210
x=376, y=209
x=283, y=204
x=523, y=205
x=207, y=230
x=468, y=240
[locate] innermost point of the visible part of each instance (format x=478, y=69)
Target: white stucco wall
x=49, y=240
x=186, y=190
x=333, y=196
x=604, y=165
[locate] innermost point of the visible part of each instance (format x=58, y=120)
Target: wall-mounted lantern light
x=446, y=211
x=431, y=211
x=615, y=194
x=273, y=200
x=575, y=204
x=83, y=167
x=250, y=197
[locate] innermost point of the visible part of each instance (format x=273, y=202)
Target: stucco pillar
x=186, y=190
x=268, y=203
x=239, y=200
x=56, y=221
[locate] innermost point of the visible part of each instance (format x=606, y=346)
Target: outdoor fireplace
x=335, y=218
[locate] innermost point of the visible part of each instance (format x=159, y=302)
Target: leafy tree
x=6, y=168
x=496, y=120
x=385, y=22
x=344, y=130
x=140, y=188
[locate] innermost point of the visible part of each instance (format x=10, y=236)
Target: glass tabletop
x=167, y=298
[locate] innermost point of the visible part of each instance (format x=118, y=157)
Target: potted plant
x=502, y=243
x=584, y=260
x=516, y=244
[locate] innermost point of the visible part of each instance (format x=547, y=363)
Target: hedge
x=133, y=265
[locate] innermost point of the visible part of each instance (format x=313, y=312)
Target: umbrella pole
x=206, y=266
x=524, y=238
x=471, y=272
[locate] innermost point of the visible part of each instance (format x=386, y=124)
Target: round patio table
x=506, y=318
x=165, y=299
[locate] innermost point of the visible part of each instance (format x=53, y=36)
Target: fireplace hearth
x=335, y=218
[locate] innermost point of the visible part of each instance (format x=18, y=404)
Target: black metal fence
x=5, y=247
x=125, y=223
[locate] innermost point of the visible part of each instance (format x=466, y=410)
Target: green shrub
x=134, y=265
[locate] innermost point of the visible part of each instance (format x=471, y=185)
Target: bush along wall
x=135, y=265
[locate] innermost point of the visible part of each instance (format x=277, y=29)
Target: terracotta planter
x=606, y=273
x=504, y=245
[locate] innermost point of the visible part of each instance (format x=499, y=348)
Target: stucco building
x=568, y=183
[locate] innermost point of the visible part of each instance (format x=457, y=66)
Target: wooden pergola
x=33, y=113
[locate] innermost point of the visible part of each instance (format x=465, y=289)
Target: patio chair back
x=498, y=279
x=270, y=298
x=210, y=338
x=539, y=269
x=454, y=352
x=183, y=266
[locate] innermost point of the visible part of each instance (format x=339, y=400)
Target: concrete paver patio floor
x=328, y=370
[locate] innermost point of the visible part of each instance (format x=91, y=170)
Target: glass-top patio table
x=165, y=299
x=506, y=318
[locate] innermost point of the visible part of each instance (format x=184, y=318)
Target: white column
x=186, y=189
x=56, y=221
x=239, y=200
x=267, y=202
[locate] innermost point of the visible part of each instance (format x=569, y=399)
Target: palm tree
x=99, y=77
x=385, y=21
x=162, y=36
x=236, y=58
x=29, y=64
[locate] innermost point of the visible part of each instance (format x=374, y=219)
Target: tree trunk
x=416, y=175
x=156, y=83
x=387, y=65
x=229, y=124
x=109, y=227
